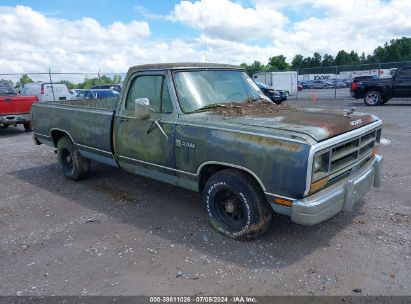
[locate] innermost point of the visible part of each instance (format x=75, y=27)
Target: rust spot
x=268, y=141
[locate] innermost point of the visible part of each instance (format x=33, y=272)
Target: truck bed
x=14, y=104
x=87, y=122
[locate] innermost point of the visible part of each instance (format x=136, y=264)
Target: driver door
x=146, y=146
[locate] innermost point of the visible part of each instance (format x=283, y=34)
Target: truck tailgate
x=16, y=104
x=89, y=129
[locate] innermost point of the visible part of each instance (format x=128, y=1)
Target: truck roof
x=181, y=65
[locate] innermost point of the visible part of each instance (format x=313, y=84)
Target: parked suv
x=272, y=93
x=115, y=87
x=97, y=94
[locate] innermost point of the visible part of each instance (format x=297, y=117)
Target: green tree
x=69, y=84
x=297, y=62
x=355, y=59
x=395, y=50
x=255, y=67
x=316, y=60
x=343, y=58
x=117, y=78
x=328, y=60
x=278, y=63
x=24, y=79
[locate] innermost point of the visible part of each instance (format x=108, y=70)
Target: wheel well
x=208, y=170
x=375, y=89
x=56, y=135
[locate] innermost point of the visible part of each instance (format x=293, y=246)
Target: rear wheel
x=236, y=205
x=28, y=127
x=372, y=98
x=73, y=164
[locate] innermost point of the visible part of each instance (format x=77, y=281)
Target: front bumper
x=343, y=195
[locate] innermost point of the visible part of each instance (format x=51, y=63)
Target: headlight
x=321, y=165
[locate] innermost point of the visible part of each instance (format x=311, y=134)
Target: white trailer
x=286, y=81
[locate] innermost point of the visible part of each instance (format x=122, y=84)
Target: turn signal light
x=318, y=185
x=282, y=201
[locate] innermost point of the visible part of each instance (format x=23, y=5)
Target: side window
x=405, y=74
x=152, y=87
x=88, y=95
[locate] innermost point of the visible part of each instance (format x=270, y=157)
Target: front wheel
x=236, y=206
x=73, y=164
x=372, y=98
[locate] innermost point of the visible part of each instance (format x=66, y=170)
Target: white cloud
x=359, y=25
x=32, y=41
x=228, y=20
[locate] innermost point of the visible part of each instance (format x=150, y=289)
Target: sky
x=110, y=36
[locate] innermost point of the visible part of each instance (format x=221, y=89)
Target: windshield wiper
x=210, y=106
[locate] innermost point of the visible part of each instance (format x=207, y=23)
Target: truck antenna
x=205, y=43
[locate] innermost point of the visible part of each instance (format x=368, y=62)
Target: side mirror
x=142, y=108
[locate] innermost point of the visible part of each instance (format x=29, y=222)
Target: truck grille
x=346, y=155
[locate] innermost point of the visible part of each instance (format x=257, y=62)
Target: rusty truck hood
x=319, y=124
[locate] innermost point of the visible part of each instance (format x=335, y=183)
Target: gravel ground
x=120, y=234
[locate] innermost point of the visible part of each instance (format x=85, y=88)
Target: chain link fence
x=332, y=82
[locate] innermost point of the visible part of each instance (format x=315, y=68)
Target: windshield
x=199, y=89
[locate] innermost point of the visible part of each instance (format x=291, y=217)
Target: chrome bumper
x=341, y=196
x=13, y=119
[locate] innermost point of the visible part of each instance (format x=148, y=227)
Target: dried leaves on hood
x=251, y=106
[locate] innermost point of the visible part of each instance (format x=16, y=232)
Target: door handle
x=8, y=99
x=123, y=119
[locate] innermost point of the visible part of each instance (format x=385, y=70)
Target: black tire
x=74, y=166
x=236, y=206
x=4, y=127
x=372, y=98
x=28, y=127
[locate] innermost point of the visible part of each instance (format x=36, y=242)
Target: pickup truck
x=379, y=91
x=308, y=164
x=14, y=109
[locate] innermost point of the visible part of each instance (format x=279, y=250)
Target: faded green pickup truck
x=308, y=164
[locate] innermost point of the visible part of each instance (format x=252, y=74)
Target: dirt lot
x=120, y=234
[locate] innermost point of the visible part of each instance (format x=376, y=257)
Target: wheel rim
x=67, y=161
x=372, y=98
x=230, y=209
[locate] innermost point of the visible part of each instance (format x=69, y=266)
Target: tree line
x=396, y=50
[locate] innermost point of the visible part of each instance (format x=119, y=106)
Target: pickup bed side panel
x=90, y=129
x=280, y=165
x=16, y=104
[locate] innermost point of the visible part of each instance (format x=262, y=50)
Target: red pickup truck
x=14, y=109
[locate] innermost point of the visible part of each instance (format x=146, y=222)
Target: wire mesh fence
x=331, y=82
x=323, y=82
x=59, y=86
